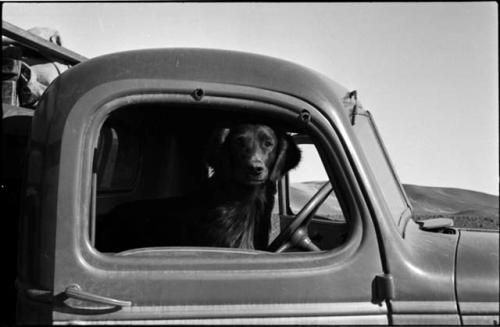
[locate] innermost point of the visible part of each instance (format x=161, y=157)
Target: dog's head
x=252, y=154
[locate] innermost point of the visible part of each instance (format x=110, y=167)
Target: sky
x=428, y=72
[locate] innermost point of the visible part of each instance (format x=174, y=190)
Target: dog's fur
x=247, y=161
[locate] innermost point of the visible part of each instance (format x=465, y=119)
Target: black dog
x=247, y=160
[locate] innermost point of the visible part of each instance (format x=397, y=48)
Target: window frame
x=303, y=139
x=138, y=171
x=274, y=104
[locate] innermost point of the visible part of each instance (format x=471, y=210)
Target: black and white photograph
x=250, y=163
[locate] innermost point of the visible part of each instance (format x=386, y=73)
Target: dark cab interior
x=147, y=162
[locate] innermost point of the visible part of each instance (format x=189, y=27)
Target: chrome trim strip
x=236, y=311
x=426, y=319
x=480, y=308
x=346, y=320
x=481, y=320
x=424, y=307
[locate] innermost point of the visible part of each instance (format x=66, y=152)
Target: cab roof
x=195, y=65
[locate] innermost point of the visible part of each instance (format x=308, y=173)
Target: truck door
x=158, y=284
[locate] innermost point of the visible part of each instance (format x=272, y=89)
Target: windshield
x=381, y=167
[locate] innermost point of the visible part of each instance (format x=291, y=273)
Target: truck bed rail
x=37, y=43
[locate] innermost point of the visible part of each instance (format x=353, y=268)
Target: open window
x=150, y=162
x=328, y=226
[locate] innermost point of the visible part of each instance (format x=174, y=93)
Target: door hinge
x=382, y=288
x=353, y=95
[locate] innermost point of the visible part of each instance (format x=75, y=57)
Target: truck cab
x=132, y=126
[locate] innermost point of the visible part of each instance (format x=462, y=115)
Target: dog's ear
x=288, y=156
x=217, y=152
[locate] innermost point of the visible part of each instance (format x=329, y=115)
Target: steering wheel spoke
x=295, y=234
x=301, y=238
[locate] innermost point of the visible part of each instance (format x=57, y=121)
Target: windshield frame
x=407, y=213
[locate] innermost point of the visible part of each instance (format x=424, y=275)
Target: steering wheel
x=295, y=234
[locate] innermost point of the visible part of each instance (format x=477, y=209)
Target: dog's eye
x=268, y=143
x=240, y=140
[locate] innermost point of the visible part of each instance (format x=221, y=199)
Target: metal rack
x=40, y=45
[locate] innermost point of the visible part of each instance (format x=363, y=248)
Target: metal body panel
x=423, y=266
x=478, y=274
x=194, y=66
x=478, y=267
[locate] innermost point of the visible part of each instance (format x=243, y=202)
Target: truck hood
x=477, y=270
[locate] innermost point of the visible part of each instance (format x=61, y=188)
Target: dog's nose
x=256, y=169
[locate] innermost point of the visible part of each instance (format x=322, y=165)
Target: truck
x=132, y=126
